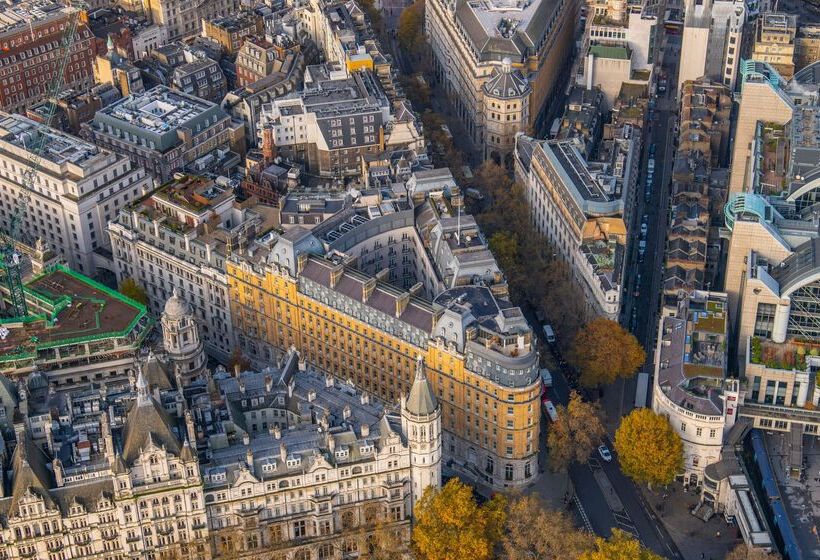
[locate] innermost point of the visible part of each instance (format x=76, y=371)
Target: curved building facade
x=302, y=289
x=691, y=388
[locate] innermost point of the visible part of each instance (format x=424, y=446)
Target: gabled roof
x=30, y=471
x=157, y=373
x=147, y=422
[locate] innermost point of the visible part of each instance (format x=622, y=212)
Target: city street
x=604, y=497
x=619, y=398
x=607, y=499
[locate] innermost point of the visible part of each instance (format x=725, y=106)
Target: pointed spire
x=143, y=394
x=420, y=371
x=187, y=453
x=421, y=401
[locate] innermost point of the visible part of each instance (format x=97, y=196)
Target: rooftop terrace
x=192, y=192
x=692, y=354
x=67, y=308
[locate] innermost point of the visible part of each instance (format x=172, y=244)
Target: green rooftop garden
x=786, y=356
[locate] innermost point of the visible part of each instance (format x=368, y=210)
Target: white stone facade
x=285, y=462
x=76, y=190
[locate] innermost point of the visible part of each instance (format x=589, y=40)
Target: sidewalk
x=551, y=488
x=697, y=540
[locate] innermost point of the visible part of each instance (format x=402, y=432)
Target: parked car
x=475, y=194
x=641, y=246
x=637, y=291
x=644, y=229
x=604, y=452
x=549, y=334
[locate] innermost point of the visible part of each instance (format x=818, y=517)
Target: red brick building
x=30, y=53
x=260, y=57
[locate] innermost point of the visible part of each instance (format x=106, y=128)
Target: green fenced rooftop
x=67, y=309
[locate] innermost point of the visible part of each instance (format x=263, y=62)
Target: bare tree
x=744, y=552
x=534, y=532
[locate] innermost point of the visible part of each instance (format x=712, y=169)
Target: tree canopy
x=529, y=261
x=238, y=359
x=649, y=449
x=130, y=288
x=504, y=245
x=620, y=546
x=743, y=552
x=450, y=525
x=575, y=434
x=534, y=532
x=604, y=351
x=410, y=30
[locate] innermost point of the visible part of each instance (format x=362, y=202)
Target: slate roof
x=506, y=84
x=421, y=401
x=384, y=297
x=482, y=22
x=157, y=373
x=147, y=423
x=30, y=467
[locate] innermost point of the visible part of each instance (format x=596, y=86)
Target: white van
x=549, y=408
x=550, y=334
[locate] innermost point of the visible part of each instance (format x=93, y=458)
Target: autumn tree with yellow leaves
x=450, y=525
x=620, y=546
x=649, y=450
x=575, y=434
x=603, y=351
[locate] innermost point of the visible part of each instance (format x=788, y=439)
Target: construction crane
x=9, y=257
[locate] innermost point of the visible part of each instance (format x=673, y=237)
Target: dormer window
x=269, y=468
x=342, y=453
x=365, y=449
x=294, y=461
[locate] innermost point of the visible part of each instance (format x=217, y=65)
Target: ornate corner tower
x=180, y=335
x=421, y=424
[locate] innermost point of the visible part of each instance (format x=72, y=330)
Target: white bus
x=641, y=390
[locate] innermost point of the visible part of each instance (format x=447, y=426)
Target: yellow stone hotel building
x=310, y=289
